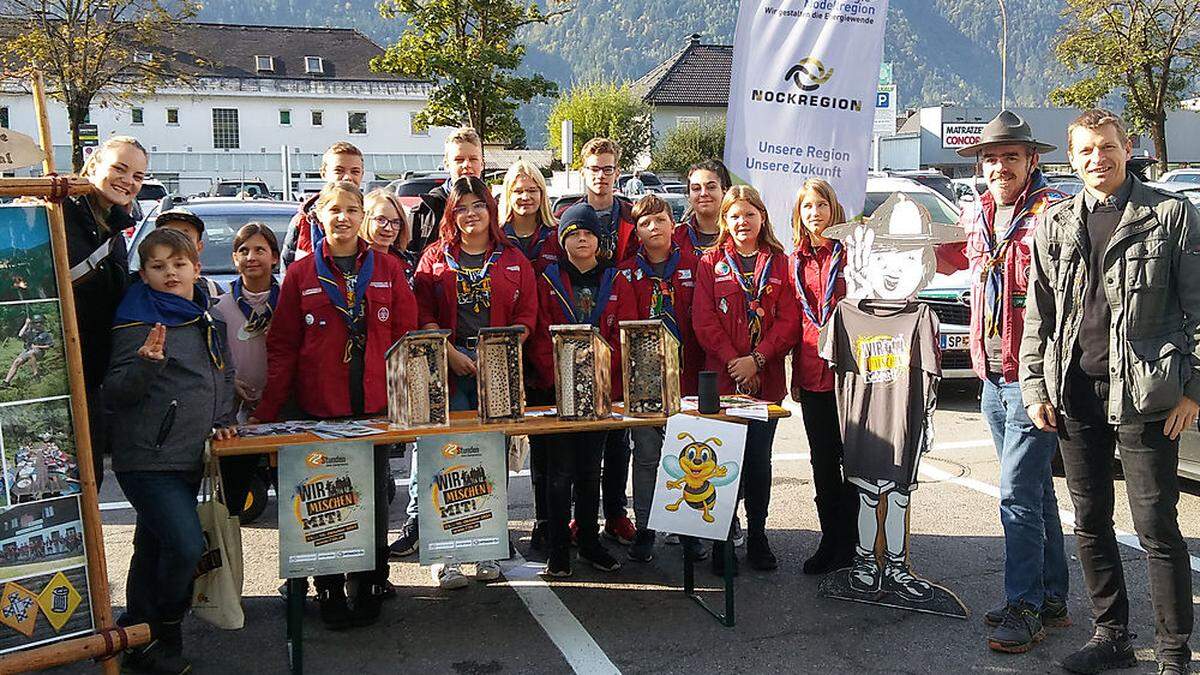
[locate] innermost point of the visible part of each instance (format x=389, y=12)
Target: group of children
x=185, y=363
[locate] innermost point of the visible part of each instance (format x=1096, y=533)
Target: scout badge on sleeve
x=884, y=350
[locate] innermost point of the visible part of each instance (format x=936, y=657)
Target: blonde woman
x=815, y=267
x=744, y=313
x=387, y=229
x=525, y=215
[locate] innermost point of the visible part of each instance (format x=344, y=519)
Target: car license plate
x=951, y=341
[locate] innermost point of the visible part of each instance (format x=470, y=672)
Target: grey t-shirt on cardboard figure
x=886, y=362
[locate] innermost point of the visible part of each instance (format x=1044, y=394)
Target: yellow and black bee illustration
x=697, y=473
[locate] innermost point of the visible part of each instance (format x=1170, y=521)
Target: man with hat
x=1110, y=360
x=1000, y=235
x=192, y=225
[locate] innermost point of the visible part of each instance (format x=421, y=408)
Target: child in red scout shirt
x=338, y=313
x=470, y=278
x=581, y=289
x=744, y=313
x=662, y=277
x=816, y=265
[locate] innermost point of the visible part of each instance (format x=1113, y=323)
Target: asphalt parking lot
x=638, y=620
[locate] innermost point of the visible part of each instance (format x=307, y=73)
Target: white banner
x=802, y=98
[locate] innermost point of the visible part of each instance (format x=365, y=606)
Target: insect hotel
x=583, y=381
x=500, y=382
x=418, y=386
x=649, y=369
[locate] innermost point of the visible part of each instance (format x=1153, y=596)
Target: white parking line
x=577, y=646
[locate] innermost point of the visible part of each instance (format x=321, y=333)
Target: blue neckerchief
x=691, y=232
x=257, y=321
x=662, y=299
x=564, y=298
x=540, y=235
x=352, y=314
x=144, y=306
x=315, y=232
x=835, y=268
x=754, y=310
x=473, y=281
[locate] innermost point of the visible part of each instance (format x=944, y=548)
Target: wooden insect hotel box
x=582, y=377
x=649, y=369
x=500, y=383
x=417, y=379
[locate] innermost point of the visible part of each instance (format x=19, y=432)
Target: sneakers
x=898, y=579
x=408, y=541
x=448, y=577
x=718, y=560
x=1017, y=632
x=758, y=552
x=1172, y=668
x=559, y=564
x=597, y=556
x=620, y=529
x=335, y=612
x=156, y=657
x=1054, y=614
x=864, y=574
x=738, y=535
x=643, y=546
x=1102, y=652
x=487, y=570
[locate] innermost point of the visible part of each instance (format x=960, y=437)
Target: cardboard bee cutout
x=884, y=350
x=696, y=488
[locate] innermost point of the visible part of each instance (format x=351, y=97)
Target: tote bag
x=217, y=595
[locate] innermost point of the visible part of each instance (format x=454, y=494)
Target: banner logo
x=809, y=74
x=451, y=450
x=315, y=459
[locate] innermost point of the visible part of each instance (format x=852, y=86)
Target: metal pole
x=1003, y=56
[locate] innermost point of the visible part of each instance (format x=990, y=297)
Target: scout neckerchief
x=350, y=308
x=992, y=274
x=474, y=285
x=753, y=288
x=536, y=242
x=564, y=297
x=662, y=296
x=258, y=320
x=144, y=306
x=691, y=226
x=826, y=308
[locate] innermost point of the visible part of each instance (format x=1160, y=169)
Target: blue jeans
x=1035, y=565
x=167, y=543
x=465, y=397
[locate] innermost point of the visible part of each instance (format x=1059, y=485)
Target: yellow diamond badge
x=18, y=609
x=58, y=600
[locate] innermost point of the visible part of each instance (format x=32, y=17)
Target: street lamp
x=1003, y=56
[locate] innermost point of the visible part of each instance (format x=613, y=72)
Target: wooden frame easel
x=108, y=640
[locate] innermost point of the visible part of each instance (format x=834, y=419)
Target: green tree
x=688, y=144
x=1145, y=49
x=467, y=49
x=113, y=50
x=603, y=109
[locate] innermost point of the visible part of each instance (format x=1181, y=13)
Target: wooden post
x=102, y=645
x=89, y=501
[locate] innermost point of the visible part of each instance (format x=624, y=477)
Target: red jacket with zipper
x=719, y=318
x=306, y=344
x=682, y=236
x=547, y=255
x=513, y=290
x=684, y=284
x=620, y=308
x=809, y=268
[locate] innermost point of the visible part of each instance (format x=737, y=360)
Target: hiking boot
x=156, y=657
x=718, y=559
x=1172, y=668
x=1102, y=652
x=1017, y=632
x=898, y=578
x=599, y=557
x=822, y=561
x=559, y=564
x=335, y=612
x=693, y=547
x=864, y=574
x=1054, y=614
x=368, y=601
x=620, y=529
x=449, y=577
x=487, y=570
x=643, y=546
x=758, y=552
x=407, y=543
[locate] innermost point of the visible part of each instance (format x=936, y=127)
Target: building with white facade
x=258, y=89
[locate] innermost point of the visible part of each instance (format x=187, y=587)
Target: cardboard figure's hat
x=903, y=223
x=1005, y=128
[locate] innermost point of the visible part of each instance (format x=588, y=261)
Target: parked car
x=1181, y=176
x=151, y=193
x=409, y=190
x=675, y=187
x=930, y=178
x=1071, y=186
x=232, y=188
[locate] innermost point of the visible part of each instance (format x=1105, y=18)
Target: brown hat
x=1006, y=128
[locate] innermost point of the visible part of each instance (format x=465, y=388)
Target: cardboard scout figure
x=884, y=350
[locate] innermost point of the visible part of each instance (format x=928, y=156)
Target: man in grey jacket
x=1110, y=359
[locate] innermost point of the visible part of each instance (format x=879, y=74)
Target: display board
x=464, y=497
x=695, y=492
x=326, y=509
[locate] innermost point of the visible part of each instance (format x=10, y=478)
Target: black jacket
x=97, y=294
x=427, y=219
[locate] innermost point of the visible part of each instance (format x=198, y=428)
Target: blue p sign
x=883, y=99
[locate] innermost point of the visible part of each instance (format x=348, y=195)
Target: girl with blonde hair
x=525, y=215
